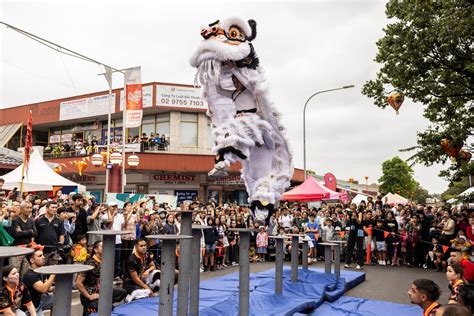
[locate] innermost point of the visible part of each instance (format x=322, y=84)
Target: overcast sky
x=303, y=46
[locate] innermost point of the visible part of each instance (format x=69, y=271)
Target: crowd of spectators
x=413, y=235
x=82, y=147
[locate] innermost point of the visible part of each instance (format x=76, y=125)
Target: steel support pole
x=244, y=273
x=304, y=257
x=184, y=264
x=337, y=260
x=168, y=261
x=63, y=295
x=279, y=266
x=107, y=275
x=327, y=258
x=294, y=259
x=195, y=273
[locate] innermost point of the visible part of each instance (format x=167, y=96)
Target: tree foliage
x=427, y=53
x=455, y=189
x=420, y=194
x=397, y=177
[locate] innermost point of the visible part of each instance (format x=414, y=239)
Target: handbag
x=5, y=238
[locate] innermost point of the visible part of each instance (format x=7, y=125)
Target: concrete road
x=382, y=282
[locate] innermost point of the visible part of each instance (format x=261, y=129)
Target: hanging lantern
x=395, y=99
x=81, y=166
x=116, y=158
x=104, y=158
x=449, y=148
x=464, y=155
x=133, y=160
x=366, y=178
x=97, y=160
x=58, y=169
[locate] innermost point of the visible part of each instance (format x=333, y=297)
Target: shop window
x=210, y=140
x=163, y=124
x=189, y=129
x=148, y=129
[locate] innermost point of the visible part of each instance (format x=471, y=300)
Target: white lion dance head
x=246, y=125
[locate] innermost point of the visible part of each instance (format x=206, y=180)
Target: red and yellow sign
x=133, y=97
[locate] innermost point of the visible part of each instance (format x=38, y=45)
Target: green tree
x=420, y=194
x=397, y=177
x=427, y=53
x=455, y=189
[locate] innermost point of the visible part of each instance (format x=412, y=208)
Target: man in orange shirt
x=425, y=293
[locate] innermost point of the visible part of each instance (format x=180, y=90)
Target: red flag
x=385, y=234
x=29, y=141
x=316, y=236
x=445, y=248
x=342, y=233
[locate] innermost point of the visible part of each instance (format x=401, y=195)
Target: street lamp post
x=304, y=121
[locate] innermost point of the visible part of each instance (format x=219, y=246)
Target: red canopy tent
x=308, y=191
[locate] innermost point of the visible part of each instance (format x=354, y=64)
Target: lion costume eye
x=234, y=33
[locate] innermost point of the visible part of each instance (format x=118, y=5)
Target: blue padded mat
x=220, y=296
x=355, y=306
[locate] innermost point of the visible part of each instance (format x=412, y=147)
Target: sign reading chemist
x=174, y=179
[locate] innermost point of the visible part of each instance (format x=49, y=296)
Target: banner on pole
x=133, y=97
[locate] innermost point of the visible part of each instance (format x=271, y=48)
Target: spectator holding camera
x=81, y=216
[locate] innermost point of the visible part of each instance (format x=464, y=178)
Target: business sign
x=147, y=97
x=54, y=139
x=86, y=107
x=186, y=195
x=229, y=180
x=179, y=97
x=174, y=178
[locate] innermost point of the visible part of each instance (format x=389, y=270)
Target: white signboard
x=180, y=97
x=87, y=107
x=147, y=94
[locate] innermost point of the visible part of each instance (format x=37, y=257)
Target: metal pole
x=279, y=266
x=124, y=131
x=168, y=261
x=304, y=121
x=62, y=295
x=244, y=273
x=294, y=259
x=195, y=273
x=107, y=275
x=337, y=260
x=327, y=258
x=305, y=255
x=108, y=77
x=185, y=264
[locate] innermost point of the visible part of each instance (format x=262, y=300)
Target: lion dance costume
x=245, y=125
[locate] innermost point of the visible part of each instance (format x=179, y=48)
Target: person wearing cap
x=81, y=216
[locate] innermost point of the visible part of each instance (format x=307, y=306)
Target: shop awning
x=7, y=132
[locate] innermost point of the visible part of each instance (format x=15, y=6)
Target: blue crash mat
x=355, y=306
x=220, y=296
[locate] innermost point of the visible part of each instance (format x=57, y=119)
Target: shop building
x=177, y=165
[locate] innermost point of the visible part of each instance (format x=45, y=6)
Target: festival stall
x=308, y=191
x=38, y=177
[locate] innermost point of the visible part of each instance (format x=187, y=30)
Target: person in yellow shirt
x=79, y=252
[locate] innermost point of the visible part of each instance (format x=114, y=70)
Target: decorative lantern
x=133, y=160
x=449, y=148
x=81, y=166
x=97, y=159
x=58, y=169
x=116, y=158
x=395, y=99
x=366, y=178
